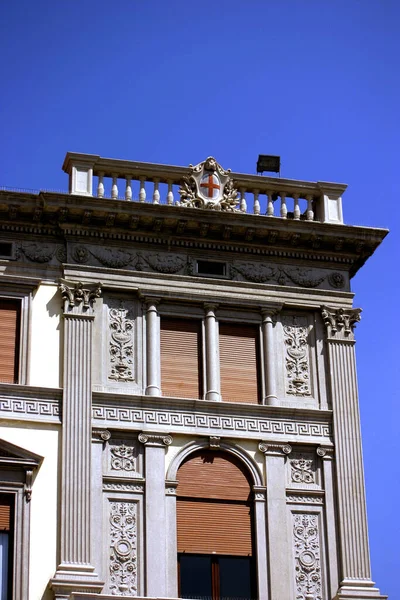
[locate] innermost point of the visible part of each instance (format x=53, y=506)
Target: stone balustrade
x=92, y=175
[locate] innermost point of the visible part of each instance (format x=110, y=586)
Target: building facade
x=178, y=396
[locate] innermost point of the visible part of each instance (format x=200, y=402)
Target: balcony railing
x=91, y=175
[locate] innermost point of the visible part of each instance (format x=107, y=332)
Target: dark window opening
x=208, y=267
x=6, y=544
x=6, y=249
x=214, y=577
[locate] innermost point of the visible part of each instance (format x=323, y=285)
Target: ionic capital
x=340, y=322
x=78, y=299
x=325, y=452
x=155, y=439
x=101, y=435
x=273, y=449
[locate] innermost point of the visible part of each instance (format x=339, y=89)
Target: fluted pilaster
x=75, y=571
x=353, y=531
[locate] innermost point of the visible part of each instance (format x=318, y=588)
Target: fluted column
x=156, y=549
x=355, y=570
x=269, y=320
x=279, y=551
x=153, y=387
x=212, y=354
x=75, y=571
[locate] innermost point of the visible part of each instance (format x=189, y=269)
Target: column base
x=358, y=590
x=70, y=578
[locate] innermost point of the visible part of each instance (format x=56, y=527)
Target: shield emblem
x=210, y=186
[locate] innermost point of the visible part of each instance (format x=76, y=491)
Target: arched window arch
x=215, y=527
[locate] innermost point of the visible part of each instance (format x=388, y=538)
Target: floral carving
x=302, y=469
x=114, y=259
x=296, y=360
x=80, y=254
x=303, y=278
x=123, y=458
x=78, y=296
x=259, y=273
x=40, y=253
x=340, y=321
x=307, y=557
x=123, y=564
x=166, y=263
x=121, y=345
x=208, y=186
x=336, y=280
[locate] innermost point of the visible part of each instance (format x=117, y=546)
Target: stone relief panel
x=122, y=458
x=121, y=345
x=302, y=471
x=123, y=548
x=297, y=359
x=307, y=556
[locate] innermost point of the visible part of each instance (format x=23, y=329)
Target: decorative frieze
x=297, y=363
x=293, y=498
x=123, y=549
x=113, y=485
x=340, y=322
x=302, y=469
x=307, y=559
x=121, y=345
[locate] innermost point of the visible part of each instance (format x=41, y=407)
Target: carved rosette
x=123, y=535
x=340, y=322
x=123, y=458
x=307, y=557
x=79, y=299
x=302, y=469
x=121, y=345
x=295, y=334
x=209, y=186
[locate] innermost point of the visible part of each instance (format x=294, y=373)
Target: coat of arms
x=208, y=186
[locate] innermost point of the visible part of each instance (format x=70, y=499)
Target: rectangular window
x=239, y=362
x=10, y=311
x=181, y=373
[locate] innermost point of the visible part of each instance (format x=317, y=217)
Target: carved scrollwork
x=155, y=439
x=296, y=361
x=307, y=557
x=208, y=186
x=123, y=458
x=302, y=469
x=123, y=560
x=121, y=345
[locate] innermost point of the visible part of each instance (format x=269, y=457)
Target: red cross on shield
x=210, y=186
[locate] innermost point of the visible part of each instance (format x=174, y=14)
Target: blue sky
x=316, y=82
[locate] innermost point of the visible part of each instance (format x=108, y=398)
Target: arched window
x=215, y=528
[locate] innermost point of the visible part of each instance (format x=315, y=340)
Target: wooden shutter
x=214, y=526
x=9, y=338
x=180, y=358
x=239, y=362
x=214, y=512
x=213, y=475
x=5, y=512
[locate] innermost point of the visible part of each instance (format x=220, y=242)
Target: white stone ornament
x=209, y=186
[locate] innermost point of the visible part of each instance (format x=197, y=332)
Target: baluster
x=114, y=188
x=156, y=193
x=128, y=189
x=283, y=205
x=100, y=186
x=270, y=205
x=170, y=195
x=142, y=191
x=309, y=212
x=256, y=202
x=243, y=203
x=296, y=210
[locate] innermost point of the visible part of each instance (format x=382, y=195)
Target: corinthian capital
x=340, y=322
x=77, y=298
